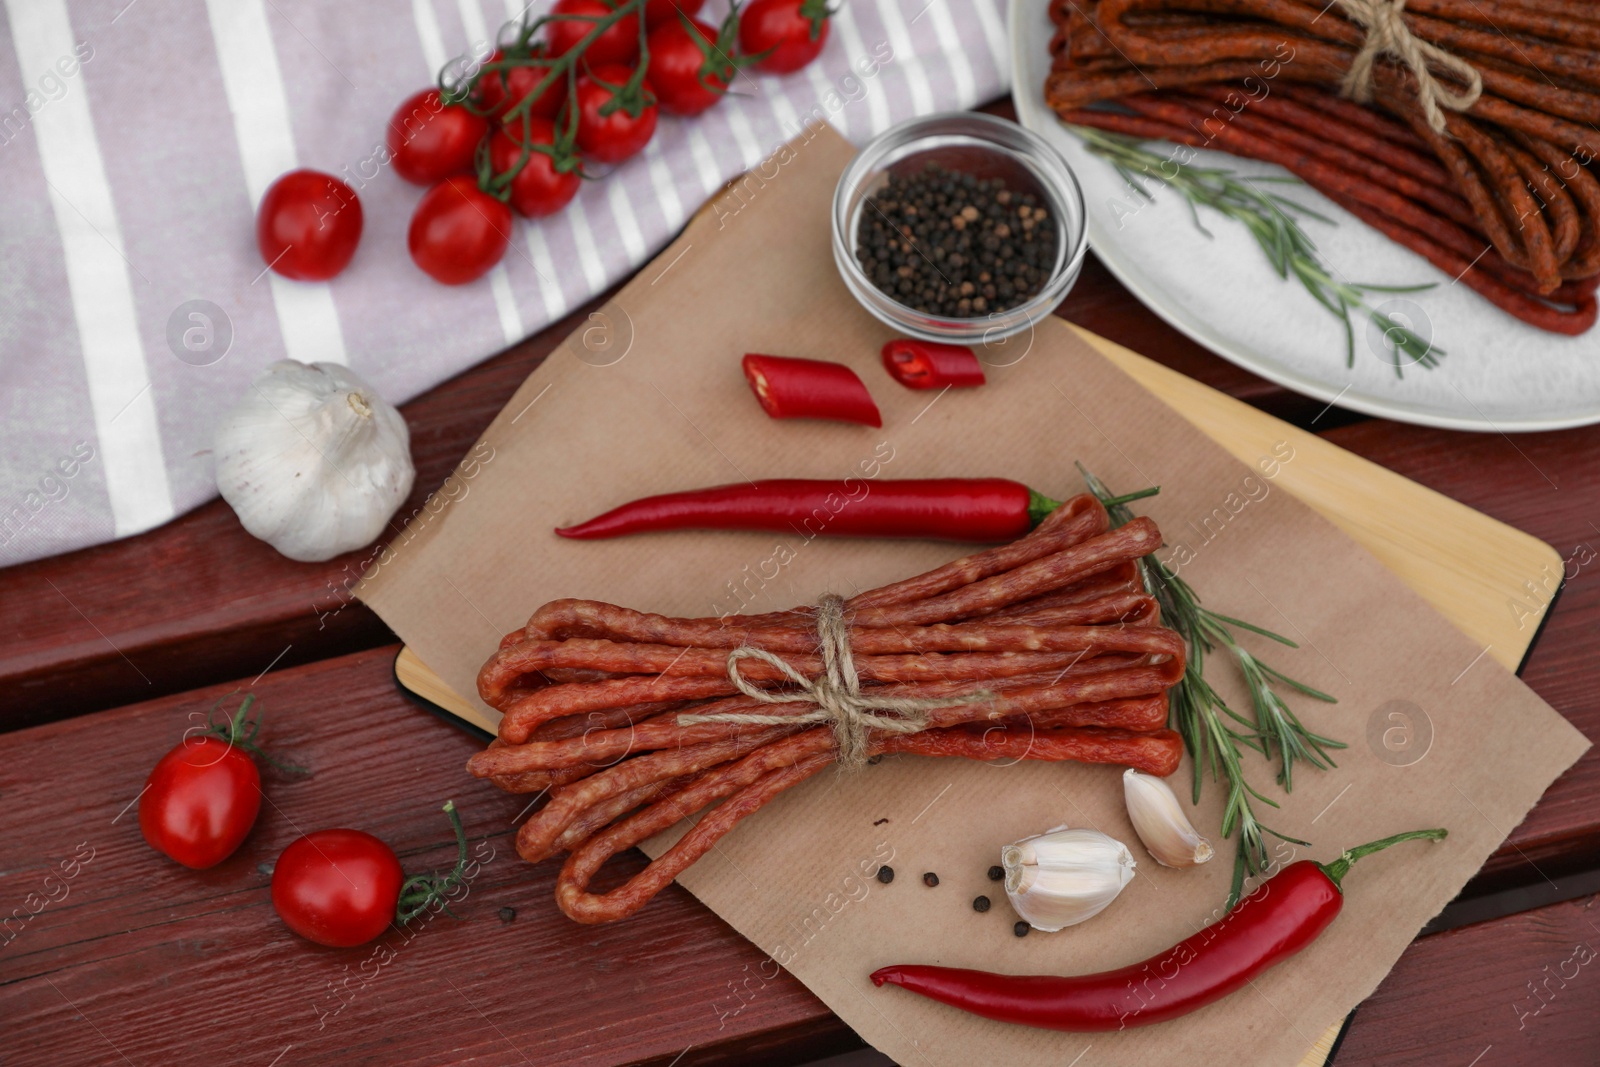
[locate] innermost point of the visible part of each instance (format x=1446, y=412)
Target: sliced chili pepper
x=1282, y=916
x=931, y=365
x=945, y=509
x=791, y=388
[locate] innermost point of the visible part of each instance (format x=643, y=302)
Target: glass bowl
x=988, y=148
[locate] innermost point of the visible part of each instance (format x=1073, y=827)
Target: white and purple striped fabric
x=137, y=136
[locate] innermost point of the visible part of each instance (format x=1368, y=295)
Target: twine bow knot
x=1388, y=34
x=837, y=693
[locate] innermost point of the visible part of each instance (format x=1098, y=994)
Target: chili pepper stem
x=421, y=890
x=1341, y=866
x=1039, y=506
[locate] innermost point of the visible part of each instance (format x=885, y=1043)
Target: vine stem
x=421, y=891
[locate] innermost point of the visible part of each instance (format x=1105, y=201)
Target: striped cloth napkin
x=137, y=136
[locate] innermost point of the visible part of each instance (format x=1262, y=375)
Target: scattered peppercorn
x=937, y=241
x=980, y=904
x=507, y=914
x=996, y=873
x=930, y=879
x=1021, y=928
x=885, y=875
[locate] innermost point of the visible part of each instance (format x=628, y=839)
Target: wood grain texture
x=109, y=972
x=102, y=974
x=198, y=601
x=1520, y=990
x=1549, y=485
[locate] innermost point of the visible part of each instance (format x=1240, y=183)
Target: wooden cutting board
x=1493, y=581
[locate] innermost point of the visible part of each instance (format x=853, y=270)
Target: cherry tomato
x=657, y=12
x=500, y=90
x=308, y=225
x=429, y=140
x=619, y=43
x=614, y=137
x=793, y=30
x=200, y=801
x=538, y=189
x=686, y=81
x=337, y=887
x=459, y=231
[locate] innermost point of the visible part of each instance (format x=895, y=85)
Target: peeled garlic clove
x=1160, y=821
x=313, y=461
x=1062, y=877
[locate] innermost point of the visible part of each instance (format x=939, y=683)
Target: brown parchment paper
x=649, y=397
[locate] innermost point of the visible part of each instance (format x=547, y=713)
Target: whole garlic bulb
x=1160, y=822
x=313, y=461
x=1062, y=877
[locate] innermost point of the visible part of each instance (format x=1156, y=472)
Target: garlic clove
x=1063, y=877
x=313, y=461
x=1161, y=823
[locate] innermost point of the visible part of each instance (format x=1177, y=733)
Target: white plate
x=1498, y=374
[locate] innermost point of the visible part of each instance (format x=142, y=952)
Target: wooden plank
x=96, y=973
x=1546, y=484
x=1520, y=990
x=199, y=600
x=137, y=945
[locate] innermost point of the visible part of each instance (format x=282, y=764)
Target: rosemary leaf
x=1215, y=734
x=1273, y=221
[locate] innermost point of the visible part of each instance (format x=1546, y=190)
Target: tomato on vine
x=657, y=12
x=691, y=64
x=573, y=20
x=203, y=796
x=538, y=186
x=616, y=113
x=343, y=888
x=308, y=225
x=784, y=34
x=429, y=139
x=506, y=82
x=458, y=231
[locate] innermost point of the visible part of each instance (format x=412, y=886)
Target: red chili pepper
x=1282, y=916
x=945, y=509
x=810, y=389
x=930, y=365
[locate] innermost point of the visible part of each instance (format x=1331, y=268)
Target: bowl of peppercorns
x=959, y=227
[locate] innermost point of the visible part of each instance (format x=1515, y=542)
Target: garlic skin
x=1160, y=822
x=313, y=461
x=1062, y=877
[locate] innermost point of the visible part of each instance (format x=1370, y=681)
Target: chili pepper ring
x=790, y=388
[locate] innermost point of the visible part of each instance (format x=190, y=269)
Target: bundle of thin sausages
x=1052, y=635
x=1503, y=199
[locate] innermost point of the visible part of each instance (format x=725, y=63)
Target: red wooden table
x=110, y=653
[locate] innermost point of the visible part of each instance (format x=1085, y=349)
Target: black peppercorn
x=980, y=904
x=930, y=879
x=886, y=874
x=1021, y=928
x=996, y=873
x=938, y=241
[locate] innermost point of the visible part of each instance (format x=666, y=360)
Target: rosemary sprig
x=1215, y=734
x=1271, y=220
